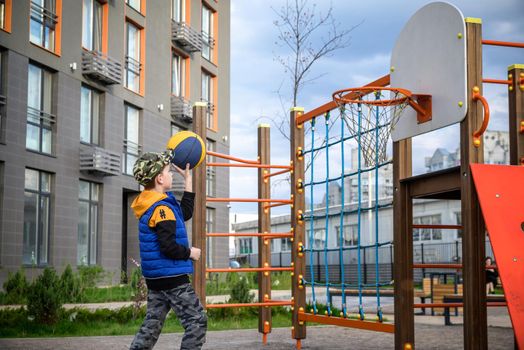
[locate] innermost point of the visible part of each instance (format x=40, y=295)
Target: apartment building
x=86, y=86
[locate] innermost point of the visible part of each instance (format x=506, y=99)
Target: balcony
x=181, y=108
x=188, y=38
x=101, y=67
x=99, y=161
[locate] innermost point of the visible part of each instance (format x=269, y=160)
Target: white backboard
x=429, y=57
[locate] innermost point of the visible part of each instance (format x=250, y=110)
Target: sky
x=256, y=75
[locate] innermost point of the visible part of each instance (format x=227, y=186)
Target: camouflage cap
x=149, y=165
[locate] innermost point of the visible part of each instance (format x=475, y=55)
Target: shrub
x=240, y=291
x=90, y=275
x=70, y=285
x=16, y=287
x=139, y=294
x=44, y=299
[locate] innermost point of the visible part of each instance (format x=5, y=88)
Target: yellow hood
x=145, y=200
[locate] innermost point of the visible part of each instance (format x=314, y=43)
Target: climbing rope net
x=347, y=221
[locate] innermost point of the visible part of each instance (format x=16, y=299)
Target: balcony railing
x=38, y=117
x=99, y=161
x=101, y=67
x=181, y=108
x=188, y=38
x=43, y=15
x=2, y=100
x=208, y=40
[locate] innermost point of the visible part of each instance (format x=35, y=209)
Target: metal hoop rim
x=341, y=98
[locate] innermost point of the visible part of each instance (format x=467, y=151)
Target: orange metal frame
x=266, y=235
x=250, y=200
x=478, y=133
x=382, y=81
x=269, y=166
x=503, y=43
x=227, y=156
x=266, y=304
x=252, y=269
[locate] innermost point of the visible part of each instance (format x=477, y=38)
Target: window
x=134, y=4
x=207, y=96
x=427, y=234
x=246, y=246
x=458, y=216
x=37, y=204
x=177, y=13
x=43, y=23
x=133, y=64
x=210, y=171
x=88, y=197
x=2, y=14
x=92, y=25
x=285, y=245
x=89, y=115
x=132, y=147
x=175, y=129
x=319, y=238
x=210, y=227
x=5, y=14
x=40, y=121
x=177, y=75
x=350, y=235
x=2, y=99
x=207, y=32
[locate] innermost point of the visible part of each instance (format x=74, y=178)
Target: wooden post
x=199, y=212
x=297, y=224
x=264, y=226
x=516, y=114
x=403, y=246
x=473, y=237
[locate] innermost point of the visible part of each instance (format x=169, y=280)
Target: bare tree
x=310, y=36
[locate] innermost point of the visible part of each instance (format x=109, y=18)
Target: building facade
x=86, y=86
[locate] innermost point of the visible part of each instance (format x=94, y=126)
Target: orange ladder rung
x=250, y=269
x=272, y=303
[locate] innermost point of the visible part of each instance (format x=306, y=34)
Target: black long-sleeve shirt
x=165, y=231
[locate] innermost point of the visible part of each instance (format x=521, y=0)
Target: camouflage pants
x=187, y=307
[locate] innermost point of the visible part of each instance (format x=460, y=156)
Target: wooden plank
x=264, y=226
x=516, y=116
x=199, y=211
x=473, y=239
x=297, y=209
x=403, y=242
x=346, y=322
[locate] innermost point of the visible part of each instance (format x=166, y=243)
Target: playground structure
x=423, y=109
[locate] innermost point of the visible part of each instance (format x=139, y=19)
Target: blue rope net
x=343, y=209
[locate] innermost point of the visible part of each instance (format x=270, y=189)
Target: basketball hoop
x=370, y=113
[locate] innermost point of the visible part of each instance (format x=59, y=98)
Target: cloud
x=256, y=75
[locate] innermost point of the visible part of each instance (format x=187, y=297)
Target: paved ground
x=430, y=333
x=427, y=337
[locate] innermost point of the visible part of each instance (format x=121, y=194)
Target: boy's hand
x=195, y=253
x=188, y=178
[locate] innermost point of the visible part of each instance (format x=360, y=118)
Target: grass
x=109, y=294
x=15, y=323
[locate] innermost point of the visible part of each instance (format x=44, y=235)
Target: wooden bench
x=425, y=292
x=458, y=298
x=440, y=290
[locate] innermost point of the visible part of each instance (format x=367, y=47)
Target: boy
x=165, y=253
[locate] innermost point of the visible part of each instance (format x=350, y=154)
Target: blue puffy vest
x=154, y=263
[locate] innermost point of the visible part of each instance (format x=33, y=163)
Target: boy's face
x=165, y=178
